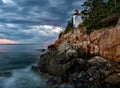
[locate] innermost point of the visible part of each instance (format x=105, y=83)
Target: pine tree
x=97, y=11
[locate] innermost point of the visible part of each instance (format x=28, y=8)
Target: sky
x=34, y=21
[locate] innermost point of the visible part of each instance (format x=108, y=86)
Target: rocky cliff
x=104, y=42
x=78, y=60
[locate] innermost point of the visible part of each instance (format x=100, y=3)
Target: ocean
x=15, y=66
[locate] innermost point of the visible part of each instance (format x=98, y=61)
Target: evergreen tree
x=96, y=12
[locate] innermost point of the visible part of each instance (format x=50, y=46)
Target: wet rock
x=80, y=62
x=83, y=80
x=5, y=74
x=75, y=78
x=52, y=86
x=82, y=53
x=42, y=50
x=118, y=74
x=95, y=73
x=65, y=56
x=64, y=46
x=79, y=77
x=91, y=79
x=56, y=63
x=51, y=64
x=71, y=54
x=113, y=80
x=60, y=58
x=107, y=73
x=54, y=80
x=117, y=70
x=56, y=69
x=78, y=66
x=35, y=68
x=66, y=86
x=88, y=84
x=44, y=61
x=97, y=61
x=52, y=47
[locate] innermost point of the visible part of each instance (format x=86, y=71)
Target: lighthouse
x=76, y=18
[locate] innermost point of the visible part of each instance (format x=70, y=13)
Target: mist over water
x=15, y=63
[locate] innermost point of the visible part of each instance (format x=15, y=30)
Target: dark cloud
x=20, y=16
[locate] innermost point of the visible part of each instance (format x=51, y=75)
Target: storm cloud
x=35, y=21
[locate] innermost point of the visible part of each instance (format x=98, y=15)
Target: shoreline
x=75, y=72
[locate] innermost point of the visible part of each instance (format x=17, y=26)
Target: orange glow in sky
x=47, y=43
x=7, y=41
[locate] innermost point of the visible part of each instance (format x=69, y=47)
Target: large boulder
x=64, y=46
x=113, y=80
x=56, y=63
x=97, y=61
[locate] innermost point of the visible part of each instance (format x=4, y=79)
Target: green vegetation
x=60, y=35
x=97, y=14
x=69, y=27
x=100, y=13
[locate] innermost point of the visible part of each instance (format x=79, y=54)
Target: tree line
x=100, y=13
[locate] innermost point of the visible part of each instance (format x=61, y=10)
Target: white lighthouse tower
x=76, y=18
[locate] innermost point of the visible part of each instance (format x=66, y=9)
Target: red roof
x=76, y=12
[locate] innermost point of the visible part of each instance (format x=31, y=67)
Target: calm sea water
x=15, y=63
